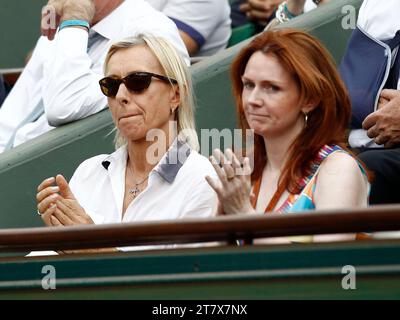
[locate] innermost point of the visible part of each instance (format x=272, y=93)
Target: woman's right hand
x=234, y=186
x=46, y=197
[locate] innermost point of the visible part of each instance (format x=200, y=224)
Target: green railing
x=220, y=271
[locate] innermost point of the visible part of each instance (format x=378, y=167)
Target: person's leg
x=385, y=165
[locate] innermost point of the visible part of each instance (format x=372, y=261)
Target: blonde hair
x=174, y=67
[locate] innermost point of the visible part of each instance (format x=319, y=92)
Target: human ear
x=310, y=106
x=175, y=97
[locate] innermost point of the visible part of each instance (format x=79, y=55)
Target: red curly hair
x=318, y=81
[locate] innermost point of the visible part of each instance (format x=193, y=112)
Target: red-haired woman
x=288, y=91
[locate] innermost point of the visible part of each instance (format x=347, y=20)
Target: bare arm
x=340, y=184
x=190, y=44
x=296, y=7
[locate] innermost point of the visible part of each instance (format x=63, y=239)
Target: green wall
x=303, y=271
x=20, y=29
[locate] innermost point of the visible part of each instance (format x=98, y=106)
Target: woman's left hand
x=68, y=212
x=235, y=183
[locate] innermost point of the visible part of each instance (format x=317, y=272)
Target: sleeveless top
x=305, y=199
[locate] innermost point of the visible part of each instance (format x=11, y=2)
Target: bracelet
x=74, y=23
x=283, y=14
x=288, y=13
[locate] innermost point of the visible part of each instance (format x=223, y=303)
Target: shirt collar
x=107, y=27
x=173, y=160
x=169, y=165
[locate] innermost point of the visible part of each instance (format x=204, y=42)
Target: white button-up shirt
x=176, y=187
x=380, y=19
x=64, y=75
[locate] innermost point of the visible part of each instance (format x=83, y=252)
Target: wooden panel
x=225, y=228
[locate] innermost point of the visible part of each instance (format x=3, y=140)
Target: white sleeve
x=165, y=28
x=24, y=96
x=201, y=202
x=381, y=22
x=70, y=88
x=198, y=18
x=309, y=5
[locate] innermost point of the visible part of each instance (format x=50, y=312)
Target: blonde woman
x=155, y=172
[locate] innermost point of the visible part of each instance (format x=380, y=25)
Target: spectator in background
x=262, y=12
x=257, y=11
x=371, y=71
x=148, y=88
x=289, y=92
x=204, y=25
x=58, y=85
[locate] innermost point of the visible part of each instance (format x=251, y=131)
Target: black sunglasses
x=135, y=82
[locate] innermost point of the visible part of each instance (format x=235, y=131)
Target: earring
x=305, y=119
x=173, y=108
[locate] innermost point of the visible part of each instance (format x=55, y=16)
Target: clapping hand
x=58, y=205
x=234, y=185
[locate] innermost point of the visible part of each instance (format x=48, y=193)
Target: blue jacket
x=367, y=68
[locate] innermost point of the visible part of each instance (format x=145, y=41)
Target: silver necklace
x=135, y=191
